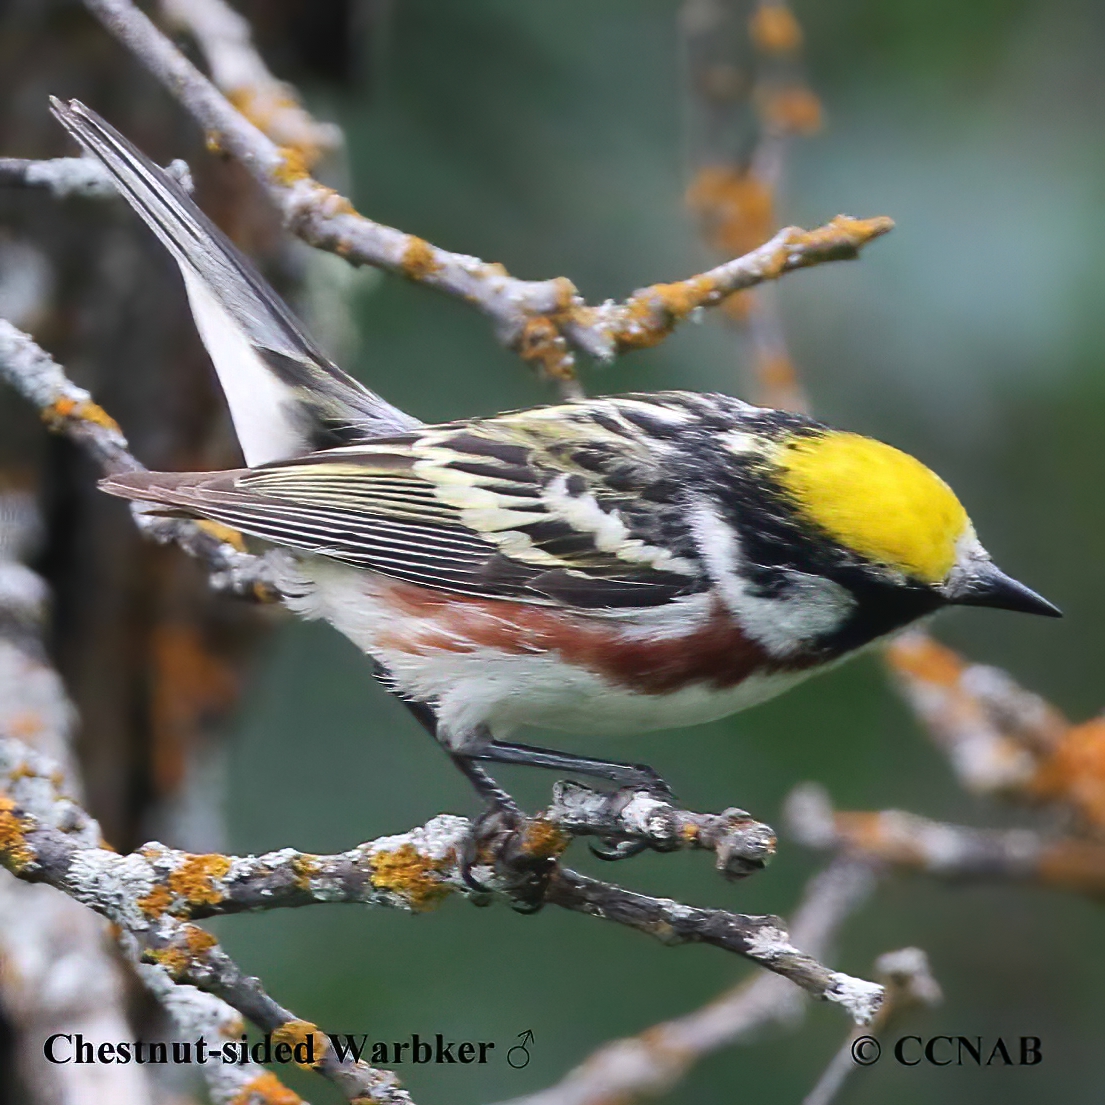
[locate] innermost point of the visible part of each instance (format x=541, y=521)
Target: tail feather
x=286, y=397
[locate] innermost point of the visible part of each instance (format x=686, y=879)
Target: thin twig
x=544, y=321
x=241, y=75
x=905, y=974
x=73, y=176
x=69, y=410
x=649, y=1064
x=946, y=851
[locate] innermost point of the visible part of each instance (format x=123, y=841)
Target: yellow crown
x=875, y=500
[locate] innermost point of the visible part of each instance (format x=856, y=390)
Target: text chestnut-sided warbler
x=606, y=565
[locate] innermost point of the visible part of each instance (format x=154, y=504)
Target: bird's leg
x=640, y=776
x=501, y=807
x=500, y=818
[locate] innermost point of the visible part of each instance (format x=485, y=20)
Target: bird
x=605, y=565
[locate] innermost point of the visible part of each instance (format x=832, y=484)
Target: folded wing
x=492, y=508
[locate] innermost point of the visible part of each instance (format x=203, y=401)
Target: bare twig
x=762, y=939
x=62, y=176
x=73, y=176
x=542, y=320
x=905, y=974
x=649, y=1064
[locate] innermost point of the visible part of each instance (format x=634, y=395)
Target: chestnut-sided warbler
x=604, y=565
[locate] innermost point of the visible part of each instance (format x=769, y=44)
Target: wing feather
x=556, y=505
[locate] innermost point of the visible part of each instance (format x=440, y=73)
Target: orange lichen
x=1075, y=772
x=266, y=1089
x=155, y=903
x=292, y=168
x=876, y=834
x=274, y=110
x=919, y=656
x=15, y=853
x=651, y=314
x=541, y=343
x=66, y=409
x=411, y=875
x=194, y=879
x=736, y=209
x=773, y=29
x=192, y=943
x=192, y=685
x=298, y=1032
x=223, y=533
x=779, y=386
x=544, y=840
x=305, y=869
x=418, y=260
x=791, y=110
x=841, y=237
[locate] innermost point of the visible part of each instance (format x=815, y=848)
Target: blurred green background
x=548, y=136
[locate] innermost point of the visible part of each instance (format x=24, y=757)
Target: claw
x=500, y=830
x=610, y=851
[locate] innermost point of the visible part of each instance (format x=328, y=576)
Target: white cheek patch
x=812, y=607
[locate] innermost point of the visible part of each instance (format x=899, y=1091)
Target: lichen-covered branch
x=649, y=1064
x=953, y=852
x=747, y=99
x=69, y=410
x=544, y=321
x=741, y=844
x=58, y=974
x=241, y=75
x=45, y=837
x=159, y=886
x=1000, y=737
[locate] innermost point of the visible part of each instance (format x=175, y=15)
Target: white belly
x=504, y=690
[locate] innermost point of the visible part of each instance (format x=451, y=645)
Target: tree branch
x=649, y=1064
x=544, y=321
x=952, y=852
x=905, y=974
x=241, y=75
x=69, y=410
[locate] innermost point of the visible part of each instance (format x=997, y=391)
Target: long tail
x=286, y=397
